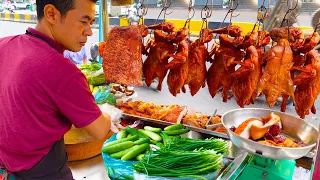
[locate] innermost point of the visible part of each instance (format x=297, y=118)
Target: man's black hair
x=62, y=5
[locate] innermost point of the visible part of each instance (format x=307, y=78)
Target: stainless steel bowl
x=292, y=126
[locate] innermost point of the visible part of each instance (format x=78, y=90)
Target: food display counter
x=240, y=70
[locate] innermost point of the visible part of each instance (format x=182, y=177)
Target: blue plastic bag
x=103, y=95
x=117, y=168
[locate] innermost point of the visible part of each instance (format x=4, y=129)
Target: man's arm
x=85, y=60
x=100, y=127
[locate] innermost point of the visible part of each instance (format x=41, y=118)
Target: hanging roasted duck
x=223, y=65
x=121, y=54
x=276, y=79
x=154, y=65
x=307, y=84
x=246, y=78
x=179, y=65
x=198, y=55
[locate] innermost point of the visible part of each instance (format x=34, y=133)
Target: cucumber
x=132, y=138
x=122, y=134
x=119, y=154
x=135, y=152
x=153, y=142
x=152, y=135
x=173, y=127
x=129, y=135
x=141, y=141
x=139, y=157
x=153, y=129
x=133, y=131
x=117, y=147
x=177, y=132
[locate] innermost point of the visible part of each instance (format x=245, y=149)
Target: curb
x=195, y=25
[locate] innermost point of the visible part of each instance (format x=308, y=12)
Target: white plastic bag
x=114, y=113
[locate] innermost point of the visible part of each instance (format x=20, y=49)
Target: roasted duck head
x=181, y=35
x=249, y=39
x=294, y=35
x=233, y=31
x=154, y=65
x=178, y=68
x=307, y=84
x=276, y=78
x=164, y=26
x=309, y=43
x=246, y=78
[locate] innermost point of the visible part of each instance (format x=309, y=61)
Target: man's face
x=72, y=30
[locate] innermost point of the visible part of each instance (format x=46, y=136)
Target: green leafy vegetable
x=90, y=67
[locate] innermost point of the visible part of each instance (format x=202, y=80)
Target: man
x=42, y=93
x=77, y=58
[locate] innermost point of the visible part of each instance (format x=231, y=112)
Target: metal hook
x=206, y=12
x=190, y=9
x=232, y=4
x=165, y=5
x=288, y=11
x=142, y=10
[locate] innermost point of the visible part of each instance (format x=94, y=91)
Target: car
x=19, y=4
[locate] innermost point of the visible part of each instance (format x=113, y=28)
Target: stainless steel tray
x=155, y=121
x=292, y=126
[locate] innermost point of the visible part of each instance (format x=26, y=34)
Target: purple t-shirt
x=42, y=94
x=76, y=57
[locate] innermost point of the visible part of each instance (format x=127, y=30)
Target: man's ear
x=51, y=14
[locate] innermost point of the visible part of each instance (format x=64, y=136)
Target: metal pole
x=103, y=22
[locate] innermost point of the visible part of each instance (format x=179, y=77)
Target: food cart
x=268, y=158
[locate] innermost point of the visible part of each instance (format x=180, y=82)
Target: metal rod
x=105, y=19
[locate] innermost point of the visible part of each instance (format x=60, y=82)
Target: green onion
x=166, y=163
x=187, y=144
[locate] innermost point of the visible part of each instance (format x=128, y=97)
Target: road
x=304, y=19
